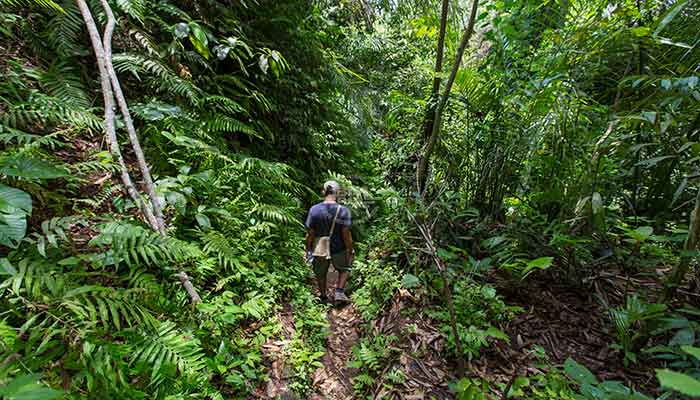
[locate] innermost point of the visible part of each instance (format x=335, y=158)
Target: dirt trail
x=334, y=379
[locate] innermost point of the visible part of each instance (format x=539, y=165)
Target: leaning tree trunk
x=437, y=79
x=108, y=96
x=109, y=81
x=124, y=108
x=689, y=247
x=424, y=159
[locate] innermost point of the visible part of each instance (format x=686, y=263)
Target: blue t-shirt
x=320, y=219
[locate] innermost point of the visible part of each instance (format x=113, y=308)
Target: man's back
x=320, y=219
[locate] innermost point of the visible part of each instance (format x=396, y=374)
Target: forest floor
x=558, y=322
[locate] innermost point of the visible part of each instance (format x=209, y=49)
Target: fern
x=146, y=41
x=107, y=193
x=135, y=8
x=134, y=245
x=64, y=31
x=216, y=244
x=29, y=141
x=93, y=304
x=272, y=212
x=173, y=11
x=168, y=81
x=222, y=123
x=167, y=352
x=224, y=104
x=62, y=82
x=48, y=4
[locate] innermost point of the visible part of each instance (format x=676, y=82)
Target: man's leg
x=321, y=271
x=342, y=279
x=343, y=268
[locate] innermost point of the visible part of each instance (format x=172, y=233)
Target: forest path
x=334, y=379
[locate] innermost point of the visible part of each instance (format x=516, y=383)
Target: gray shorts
x=339, y=260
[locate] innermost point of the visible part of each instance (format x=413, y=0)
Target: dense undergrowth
x=559, y=195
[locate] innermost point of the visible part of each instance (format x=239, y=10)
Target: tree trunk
x=367, y=14
x=124, y=108
x=110, y=130
x=107, y=82
x=430, y=112
x=447, y=292
x=690, y=245
x=423, y=162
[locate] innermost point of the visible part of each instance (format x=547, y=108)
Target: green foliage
x=26, y=387
x=630, y=324
x=377, y=283
x=371, y=356
x=591, y=388
x=477, y=308
x=15, y=206
x=470, y=389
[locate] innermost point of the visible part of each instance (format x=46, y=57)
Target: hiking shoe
x=323, y=300
x=340, y=297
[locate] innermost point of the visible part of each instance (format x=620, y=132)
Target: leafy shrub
x=377, y=282
x=370, y=356
x=477, y=308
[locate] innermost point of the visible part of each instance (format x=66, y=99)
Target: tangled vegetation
x=523, y=178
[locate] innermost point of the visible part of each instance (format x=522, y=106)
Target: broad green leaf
x=410, y=281
x=199, y=40
x=15, y=205
x=203, y=221
x=670, y=15
x=541, y=263
x=6, y=268
x=693, y=351
x=30, y=168
x=579, y=373
x=678, y=382
x=496, y=334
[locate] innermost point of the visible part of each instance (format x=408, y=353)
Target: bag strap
x=337, y=211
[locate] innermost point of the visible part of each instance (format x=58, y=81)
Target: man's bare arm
x=310, y=234
x=347, y=239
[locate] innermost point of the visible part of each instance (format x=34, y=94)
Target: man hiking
x=328, y=240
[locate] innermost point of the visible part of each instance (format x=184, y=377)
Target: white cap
x=331, y=187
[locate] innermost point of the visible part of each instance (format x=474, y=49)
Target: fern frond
x=222, y=123
x=224, y=104
x=65, y=30
x=107, y=193
x=168, y=80
x=63, y=82
x=167, y=352
x=48, y=4
x=135, y=8
x=272, y=212
x=217, y=245
x=94, y=304
x=29, y=141
x=146, y=41
x=173, y=11
x=135, y=245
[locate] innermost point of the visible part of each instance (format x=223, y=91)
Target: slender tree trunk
x=447, y=292
x=107, y=82
x=367, y=13
x=430, y=112
x=690, y=245
x=128, y=121
x=423, y=162
x=110, y=130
